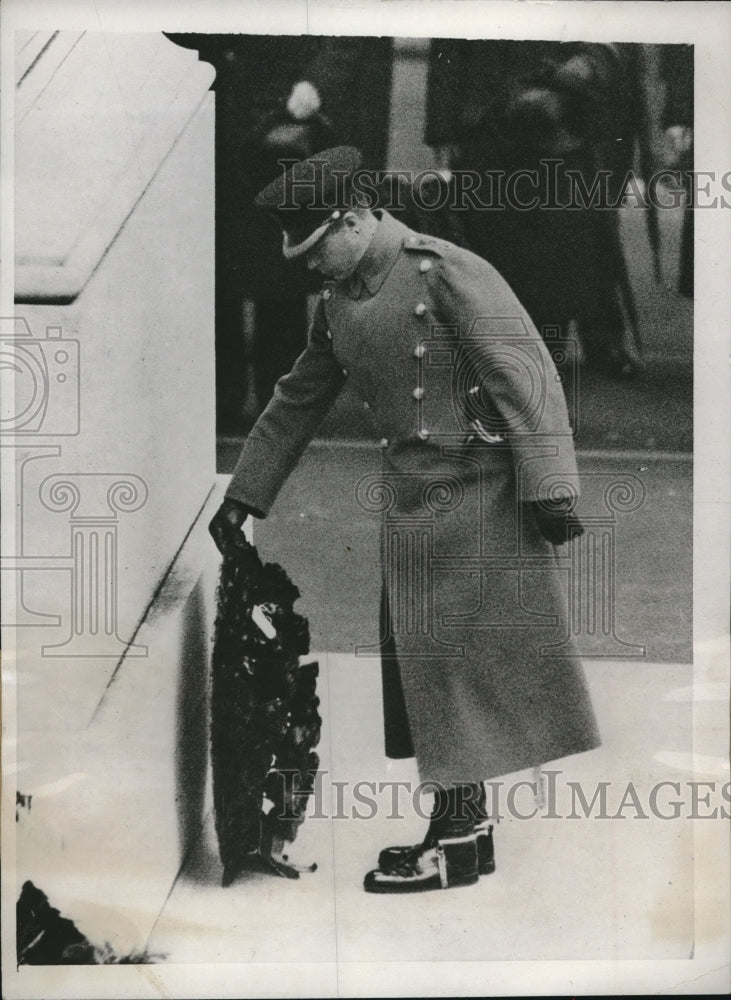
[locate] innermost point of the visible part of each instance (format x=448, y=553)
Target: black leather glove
x=556, y=519
x=227, y=524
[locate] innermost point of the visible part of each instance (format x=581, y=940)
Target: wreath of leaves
x=264, y=719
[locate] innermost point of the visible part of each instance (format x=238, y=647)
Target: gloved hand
x=226, y=527
x=555, y=518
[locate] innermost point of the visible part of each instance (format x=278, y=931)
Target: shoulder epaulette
x=421, y=243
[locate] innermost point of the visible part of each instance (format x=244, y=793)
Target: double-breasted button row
x=420, y=350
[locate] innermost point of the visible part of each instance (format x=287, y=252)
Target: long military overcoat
x=465, y=400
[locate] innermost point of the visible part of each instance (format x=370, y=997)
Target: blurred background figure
x=508, y=106
x=277, y=96
x=676, y=67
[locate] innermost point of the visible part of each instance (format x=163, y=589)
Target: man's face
x=337, y=254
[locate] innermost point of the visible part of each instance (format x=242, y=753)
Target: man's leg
x=395, y=719
x=448, y=856
x=474, y=798
x=458, y=844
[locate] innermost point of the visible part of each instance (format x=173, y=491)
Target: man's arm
x=300, y=401
x=516, y=373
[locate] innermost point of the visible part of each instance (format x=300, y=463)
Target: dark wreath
x=264, y=719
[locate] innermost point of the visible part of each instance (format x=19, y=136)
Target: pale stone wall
x=114, y=438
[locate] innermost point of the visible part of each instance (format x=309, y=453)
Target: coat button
x=423, y=434
x=329, y=334
x=420, y=309
x=327, y=293
x=420, y=351
x=418, y=392
x=345, y=372
x=366, y=405
x=384, y=442
x=425, y=266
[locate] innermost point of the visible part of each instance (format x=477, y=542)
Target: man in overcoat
x=478, y=484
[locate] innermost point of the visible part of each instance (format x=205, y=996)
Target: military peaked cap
x=310, y=196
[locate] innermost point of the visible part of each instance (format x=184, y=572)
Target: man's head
x=337, y=253
x=319, y=213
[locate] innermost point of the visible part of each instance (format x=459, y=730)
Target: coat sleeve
x=512, y=368
x=300, y=401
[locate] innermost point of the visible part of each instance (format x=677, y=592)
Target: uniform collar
x=380, y=256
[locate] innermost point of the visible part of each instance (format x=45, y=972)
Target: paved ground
x=329, y=546
x=581, y=888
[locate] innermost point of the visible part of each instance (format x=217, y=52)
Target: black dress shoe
x=452, y=808
x=485, y=850
x=448, y=855
x=450, y=863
